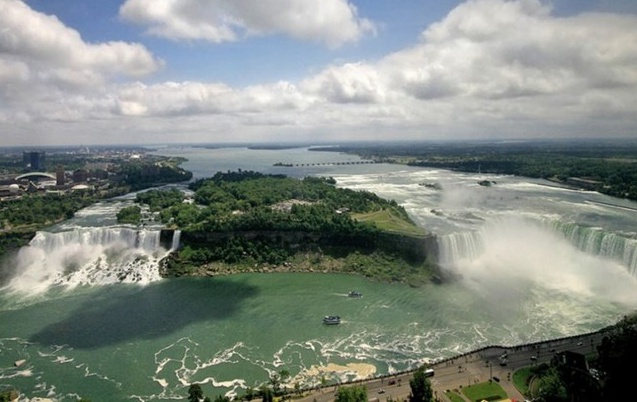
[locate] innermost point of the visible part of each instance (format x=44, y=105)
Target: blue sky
x=150, y=71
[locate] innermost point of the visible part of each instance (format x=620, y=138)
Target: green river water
x=83, y=332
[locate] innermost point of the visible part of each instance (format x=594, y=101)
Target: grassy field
x=521, y=379
x=486, y=390
x=387, y=221
x=454, y=397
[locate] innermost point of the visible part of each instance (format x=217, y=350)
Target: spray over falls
x=509, y=254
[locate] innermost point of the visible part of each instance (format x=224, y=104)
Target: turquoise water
x=85, y=336
x=233, y=332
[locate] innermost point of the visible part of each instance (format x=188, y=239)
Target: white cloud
x=45, y=66
x=490, y=68
x=48, y=72
x=196, y=98
x=349, y=83
x=46, y=43
x=494, y=49
x=332, y=22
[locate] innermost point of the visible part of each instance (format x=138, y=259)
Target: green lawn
x=385, y=220
x=521, y=379
x=485, y=390
x=454, y=397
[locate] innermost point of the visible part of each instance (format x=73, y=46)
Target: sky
x=320, y=71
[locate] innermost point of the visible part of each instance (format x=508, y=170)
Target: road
x=469, y=369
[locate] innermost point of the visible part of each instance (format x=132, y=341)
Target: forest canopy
x=247, y=200
x=248, y=219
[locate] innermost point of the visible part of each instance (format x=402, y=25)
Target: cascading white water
x=593, y=241
x=89, y=256
x=514, y=254
x=596, y=241
x=147, y=240
x=176, y=240
x=457, y=246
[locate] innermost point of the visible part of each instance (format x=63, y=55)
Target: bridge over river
x=364, y=162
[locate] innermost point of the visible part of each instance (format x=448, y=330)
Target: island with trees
x=252, y=222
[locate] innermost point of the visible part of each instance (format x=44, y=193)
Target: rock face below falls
x=415, y=251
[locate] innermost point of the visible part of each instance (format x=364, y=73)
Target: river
x=88, y=313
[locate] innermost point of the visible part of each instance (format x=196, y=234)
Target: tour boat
x=331, y=320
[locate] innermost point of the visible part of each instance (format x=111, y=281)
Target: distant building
x=80, y=176
x=34, y=160
x=59, y=176
x=9, y=191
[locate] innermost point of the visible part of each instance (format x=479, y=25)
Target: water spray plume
x=506, y=256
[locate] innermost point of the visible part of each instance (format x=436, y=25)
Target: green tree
x=420, y=387
x=617, y=352
x=551, y=388
x=249, y=394
x=351, y=394
x=222, y=398
x=132, y=214
x=267, y=394
x=195, y=393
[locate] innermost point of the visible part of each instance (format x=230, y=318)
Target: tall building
x=59, y=176
x=35, y=160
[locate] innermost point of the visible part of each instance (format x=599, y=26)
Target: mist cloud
x=513, y=255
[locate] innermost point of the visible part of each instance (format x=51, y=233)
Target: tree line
x=38, y=210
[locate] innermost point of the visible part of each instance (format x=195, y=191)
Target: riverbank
x=375, y=266
x=470, y=368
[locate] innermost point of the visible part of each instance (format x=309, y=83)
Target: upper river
x=84, y=306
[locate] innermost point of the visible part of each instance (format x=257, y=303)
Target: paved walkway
x=470, y=369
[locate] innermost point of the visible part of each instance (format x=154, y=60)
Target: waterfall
x=457, y=246
x=88, y=256
x=147, y=240
x=469, y=245
x=596, y=241
x=176, y=240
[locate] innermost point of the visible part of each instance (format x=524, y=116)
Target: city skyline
x=139, y=72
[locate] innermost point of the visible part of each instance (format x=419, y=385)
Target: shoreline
x=472, y=367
